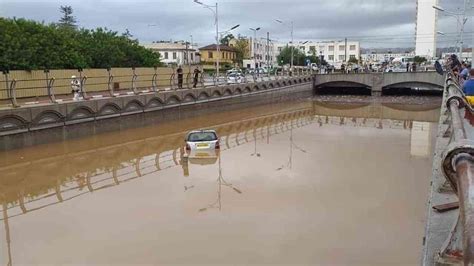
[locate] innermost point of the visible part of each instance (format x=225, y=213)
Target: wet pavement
x=298, y=183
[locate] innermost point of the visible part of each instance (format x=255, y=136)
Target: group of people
x=179, y=73
x=411, y=67
x=465, y=76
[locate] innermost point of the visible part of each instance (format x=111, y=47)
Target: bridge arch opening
x=412, y=89
x=342, y=88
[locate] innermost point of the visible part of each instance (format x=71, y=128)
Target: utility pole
x=345, y=50
x=268, y=50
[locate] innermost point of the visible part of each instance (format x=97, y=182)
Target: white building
x=262, y=54
x=384, y=57
x=426, y=28
x=334, y=52
x=177, y=53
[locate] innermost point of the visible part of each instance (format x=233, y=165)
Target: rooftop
x=168, y=46
x=221, y=47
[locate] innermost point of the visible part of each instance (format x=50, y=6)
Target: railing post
x=154, y=83
x=10, y=86
x=188, y=84
x=172, y=77
x=201, y=78
x=82, y=82
x=134, y=81
x=49, y=86
x=110, y=84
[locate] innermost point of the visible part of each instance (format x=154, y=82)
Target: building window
x=331, y=57
x=210, y=54
x=312, y=48
x=166, y=55
x=174, y=55
x=341, y=57
x=331, y=48
x=280, y=48
x=352, y=56
x=302, y=48
x=342, y=47
x=352, y=47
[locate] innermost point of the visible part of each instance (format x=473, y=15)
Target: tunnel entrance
x=342, y=90
x=411, y=91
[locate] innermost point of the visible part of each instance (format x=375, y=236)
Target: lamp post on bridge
x=461, y=22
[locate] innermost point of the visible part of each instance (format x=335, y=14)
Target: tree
x=419, y=59
x=241, y=47
x=353, y=60
x=226, y=39
x=29, y=45
x=284, y=57
x=67, y=19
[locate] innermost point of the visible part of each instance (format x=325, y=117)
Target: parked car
x=234, y=78
x=201, y=140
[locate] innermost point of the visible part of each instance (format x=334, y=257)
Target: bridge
x=378, y=82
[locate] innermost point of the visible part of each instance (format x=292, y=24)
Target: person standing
x=180, y=77
x=196, y=77
x=468, y=88
x=464, y=71
x=413, y=67
x=75, y=88
x=408, y=66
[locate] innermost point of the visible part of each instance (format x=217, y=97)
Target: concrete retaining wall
x=42, y=124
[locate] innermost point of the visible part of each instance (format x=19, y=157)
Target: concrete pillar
x=376, y=93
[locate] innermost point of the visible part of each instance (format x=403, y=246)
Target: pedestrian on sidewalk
x=196, y=77
x=75, y=88
x=413, y=67
x=408, y=66
x=180, y=77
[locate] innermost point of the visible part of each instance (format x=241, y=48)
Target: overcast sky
x=376, y=23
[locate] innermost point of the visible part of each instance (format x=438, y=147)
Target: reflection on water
x=420, y=139
x=83, y=167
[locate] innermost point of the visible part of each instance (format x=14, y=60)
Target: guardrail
x=458, y=169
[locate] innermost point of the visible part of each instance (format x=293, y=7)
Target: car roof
x=202, y=130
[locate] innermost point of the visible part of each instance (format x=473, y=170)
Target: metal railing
x=458, y=169
x=55, y=86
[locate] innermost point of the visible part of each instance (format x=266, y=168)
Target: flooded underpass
x=308, y=182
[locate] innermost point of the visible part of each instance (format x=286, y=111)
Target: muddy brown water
x=307, y=182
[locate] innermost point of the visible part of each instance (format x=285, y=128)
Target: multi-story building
x=333, y=52
x=377, y=57
x=259, y=52
x=426, y=28
x=175, y=53
x=209, y=56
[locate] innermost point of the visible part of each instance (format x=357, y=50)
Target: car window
x=202, y=136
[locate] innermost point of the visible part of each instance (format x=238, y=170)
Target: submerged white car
x=201, y=140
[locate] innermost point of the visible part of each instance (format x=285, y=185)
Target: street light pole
x=253, y=45
x=218, y=46
x=216, y=21
x=292, y=47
